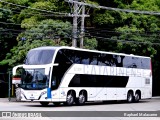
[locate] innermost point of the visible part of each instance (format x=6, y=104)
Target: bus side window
x=93, y=59
x=127, y=62
x=85, y=58
x=145, y=63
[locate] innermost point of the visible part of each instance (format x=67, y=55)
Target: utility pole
x=74, y=29
x=82, y=27
x=78, y=12
x=79, y=7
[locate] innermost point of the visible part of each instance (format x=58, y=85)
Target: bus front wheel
x=130, y=97
x=70, y=99
x=81, y=99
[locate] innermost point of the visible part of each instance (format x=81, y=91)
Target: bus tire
x=70, y=98
x=130, y=97
x=44, y=103
x=137, y=97
x=81, y=99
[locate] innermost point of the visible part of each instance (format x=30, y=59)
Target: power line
x=8, y=29
x=9, y=23
x=98, y=37
x=101, y=32
x=92, y=33
x=20, y=24
x=42, y=14
x=123, y=41
x=115, y=9
x=114, y=33
x=11, y=10
x=128, y=39
x=42, y=10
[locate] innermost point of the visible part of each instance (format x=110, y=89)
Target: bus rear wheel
x=137, y=97
x=44, y=103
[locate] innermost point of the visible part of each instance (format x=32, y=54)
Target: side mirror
x=55, y=64
x=17, y=69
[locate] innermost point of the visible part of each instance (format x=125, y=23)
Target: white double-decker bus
x=72, y=75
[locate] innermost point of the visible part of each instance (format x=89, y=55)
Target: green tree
x=7, y=32
x=90, y=43
x=129, y=32
x=44, y=33
x=138, y=28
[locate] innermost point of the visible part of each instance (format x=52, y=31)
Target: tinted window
x=85, y=57
x=80, y=80
x=106, y=59
x=73, y=55
x=145, y=63
x=75, y=81
x=81, y=57
x=94, y=58
x=127, y=62
x=118, y=60
x=59, y=71
x=39, y=57
x=91, y=58
x=136, y=62
x=132, y=62
x=69, y=54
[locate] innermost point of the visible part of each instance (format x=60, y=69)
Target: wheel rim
x=137, y=97
x=130, y=97
x=81, y=99
x=70, y=99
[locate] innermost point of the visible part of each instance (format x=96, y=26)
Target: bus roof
x=46, y=48
x=80, y=49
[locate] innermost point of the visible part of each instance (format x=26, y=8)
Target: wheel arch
x=130, y=91
x=73, y=92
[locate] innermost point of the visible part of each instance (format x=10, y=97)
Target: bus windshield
x=39, y=57
x=34, y=79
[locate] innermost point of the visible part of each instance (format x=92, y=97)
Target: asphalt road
x=100, y=110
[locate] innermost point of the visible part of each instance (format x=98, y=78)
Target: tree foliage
x=133, y=33
x=26, y=24
x=6, y=35
x=44, y=33
x=34, y=23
